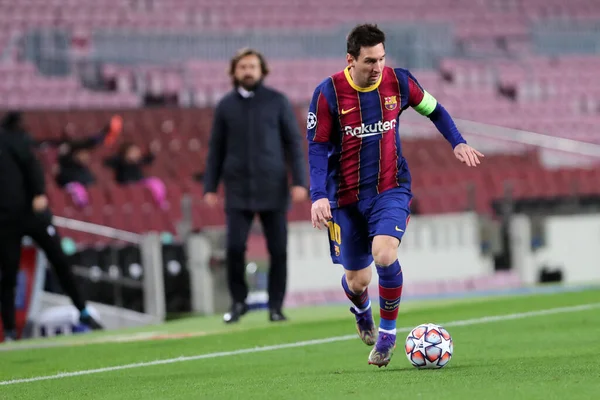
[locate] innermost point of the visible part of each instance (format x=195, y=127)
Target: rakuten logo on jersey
x=378, y=128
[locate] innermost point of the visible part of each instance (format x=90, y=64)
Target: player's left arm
x=425, y=104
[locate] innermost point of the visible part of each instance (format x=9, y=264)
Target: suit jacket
x=252, y=143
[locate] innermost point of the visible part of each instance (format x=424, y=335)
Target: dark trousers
x=275, y=229
x=45, y=235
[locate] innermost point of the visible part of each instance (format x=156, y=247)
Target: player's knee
x=385, y=257
x=358, y=281
x=385, y=250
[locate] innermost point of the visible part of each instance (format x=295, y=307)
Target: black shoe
x=276, y=316
x=10, y=336
x=237, y=310
x=86, y=319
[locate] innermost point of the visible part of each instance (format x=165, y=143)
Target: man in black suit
x=24, y=211
x=255, y=136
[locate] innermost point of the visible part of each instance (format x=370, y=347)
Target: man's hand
x=320, y=213
x=40, y=203
x=467, y=155
x=211, y=199
x=299, y=193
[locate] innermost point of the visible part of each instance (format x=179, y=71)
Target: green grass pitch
x=521, y=354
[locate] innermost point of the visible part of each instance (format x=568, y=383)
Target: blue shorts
x=353, y=227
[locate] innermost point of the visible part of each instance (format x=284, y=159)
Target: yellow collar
x=358, y=88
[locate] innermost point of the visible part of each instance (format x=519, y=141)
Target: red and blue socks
x=361, y=301
x=390, y=292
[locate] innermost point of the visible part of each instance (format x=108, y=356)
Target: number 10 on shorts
x=335, y=233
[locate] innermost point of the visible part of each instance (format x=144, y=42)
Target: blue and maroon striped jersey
x=356, y=130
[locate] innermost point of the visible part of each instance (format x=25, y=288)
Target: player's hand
x=40, y=203
x=299, y=193
x=211, y=199
x=320, y=213
x=467, y=155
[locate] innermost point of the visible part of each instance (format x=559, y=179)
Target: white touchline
x=473, y=321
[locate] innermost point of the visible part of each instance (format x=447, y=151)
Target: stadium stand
x=489, y=61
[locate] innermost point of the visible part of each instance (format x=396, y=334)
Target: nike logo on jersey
x=399, y=230
x=344, y=112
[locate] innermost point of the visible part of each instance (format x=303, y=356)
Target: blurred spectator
x=74, y=158
x=128, y=163
x=128, y=167
x=199, y=176
x=415, y=208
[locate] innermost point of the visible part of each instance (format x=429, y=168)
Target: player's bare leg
x=385, y=253
x=355, y=284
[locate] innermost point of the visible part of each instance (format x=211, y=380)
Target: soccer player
x=359, y=180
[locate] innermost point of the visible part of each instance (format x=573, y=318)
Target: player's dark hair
x=365, y=35
x=245, y=52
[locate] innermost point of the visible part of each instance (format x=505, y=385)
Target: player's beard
x=248, y=84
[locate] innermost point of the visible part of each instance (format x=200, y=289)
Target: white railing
x=112, y=316
x=555, y=150
x=95, y=229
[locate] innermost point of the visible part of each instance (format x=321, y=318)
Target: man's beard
x=247, y=85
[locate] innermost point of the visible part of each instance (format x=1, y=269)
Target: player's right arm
x=318, y=132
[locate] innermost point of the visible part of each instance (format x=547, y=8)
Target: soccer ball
x=429, y=346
